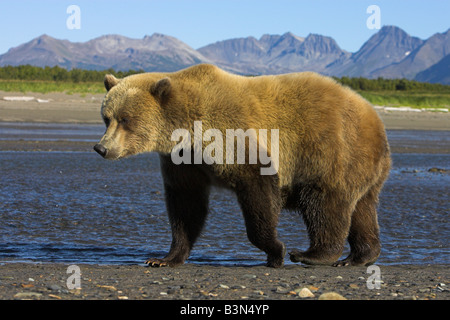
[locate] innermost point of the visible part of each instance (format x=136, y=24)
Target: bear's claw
x=156, y=263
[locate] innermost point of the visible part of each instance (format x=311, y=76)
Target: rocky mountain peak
x=389, y=53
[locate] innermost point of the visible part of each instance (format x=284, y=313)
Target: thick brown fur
x=333, y=156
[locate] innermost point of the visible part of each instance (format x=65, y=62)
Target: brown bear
x=331, y=157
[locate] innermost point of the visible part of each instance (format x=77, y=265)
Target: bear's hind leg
x=364, y=232
x=260, y=201
x=327, y=219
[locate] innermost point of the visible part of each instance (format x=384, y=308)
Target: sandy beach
x=76, y=108
x=47, y=281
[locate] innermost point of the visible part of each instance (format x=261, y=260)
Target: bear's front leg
x=260, y=200
x=187, y=213
x=186, y=193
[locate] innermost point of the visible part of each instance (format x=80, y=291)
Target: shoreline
x=49, y=281
x=85, y=109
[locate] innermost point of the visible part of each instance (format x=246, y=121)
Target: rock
x=237, y=287
x=313, y=288
x=437, y=170
x=111, y=288
x=281, y=290
x=305, y=293
x=331, y=296
x=54, y=287
x=27, y=295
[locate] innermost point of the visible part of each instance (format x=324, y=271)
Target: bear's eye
x=123, y=121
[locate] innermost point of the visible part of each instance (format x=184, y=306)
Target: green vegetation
x=55, y=79
x=389, y=85
x=400, y=92
x=387, y=92
x=411, y=99
x=51, y=86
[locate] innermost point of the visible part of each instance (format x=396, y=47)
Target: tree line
x=381, y=84
x=28, y=72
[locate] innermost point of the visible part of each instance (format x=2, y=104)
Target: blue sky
x=200, y=22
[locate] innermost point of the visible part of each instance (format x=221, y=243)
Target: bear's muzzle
x=101, y=150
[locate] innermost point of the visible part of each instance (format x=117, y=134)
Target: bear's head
x=132, y=112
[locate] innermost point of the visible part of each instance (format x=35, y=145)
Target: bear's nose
x=101, y=150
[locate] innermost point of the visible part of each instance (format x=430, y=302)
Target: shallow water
x=75, y=207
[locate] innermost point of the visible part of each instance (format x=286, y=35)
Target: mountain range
x=389, y=53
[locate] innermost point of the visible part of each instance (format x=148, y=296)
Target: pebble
x=54, y=287
x=281, y=290
x=111, y=288
x=223, y=286
x=258, y=292
x=305, y=293
x=236, y=287
x=331, y=296
x=27, y=295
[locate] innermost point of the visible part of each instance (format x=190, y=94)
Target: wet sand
x=204, y=282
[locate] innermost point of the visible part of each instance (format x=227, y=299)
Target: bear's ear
x=161, y=88
x=110, y=81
